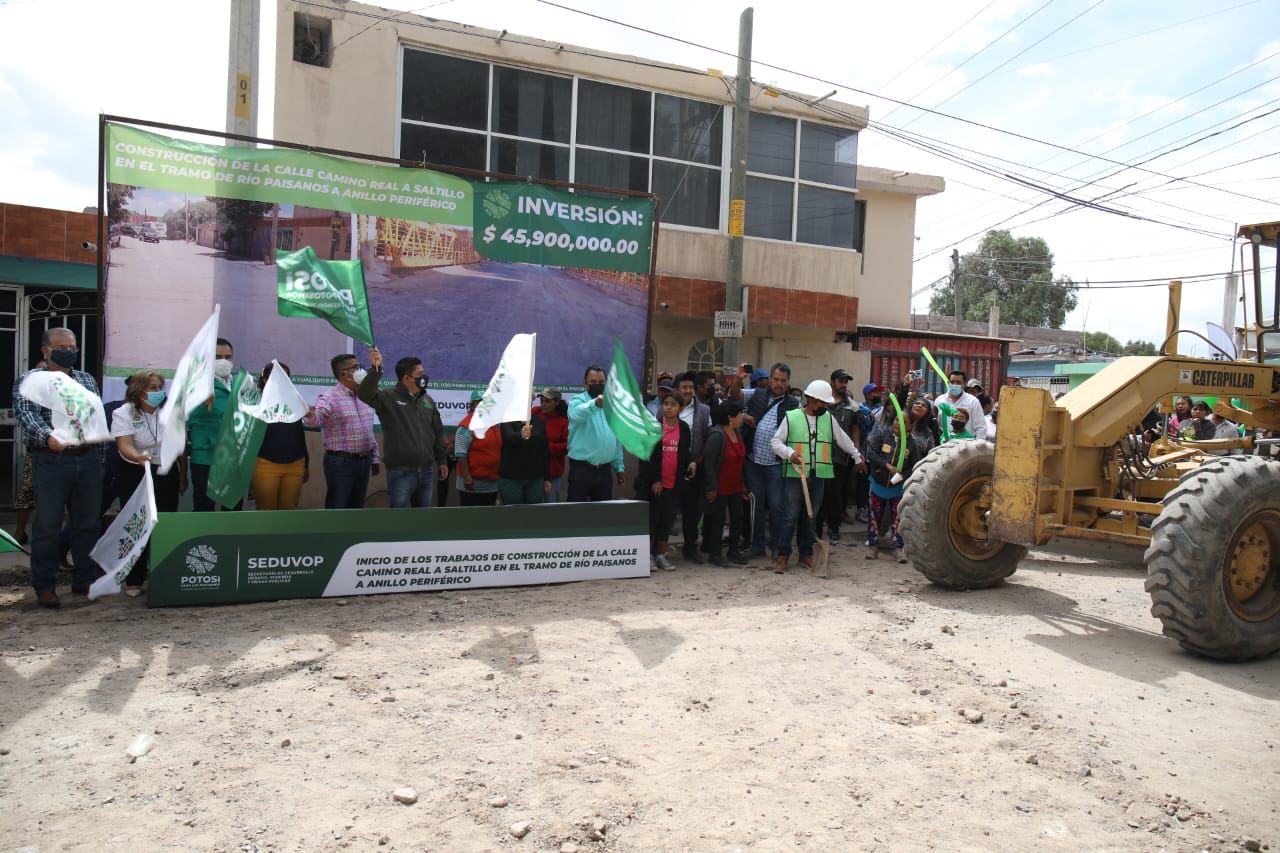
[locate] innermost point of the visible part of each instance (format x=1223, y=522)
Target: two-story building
x=828, y=240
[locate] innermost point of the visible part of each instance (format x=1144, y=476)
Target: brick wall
x=698, y=297
x=51, y=235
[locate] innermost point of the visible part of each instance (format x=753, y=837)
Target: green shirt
x=205, y=422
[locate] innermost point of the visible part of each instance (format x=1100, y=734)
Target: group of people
x=741, y=454
x=732, y=463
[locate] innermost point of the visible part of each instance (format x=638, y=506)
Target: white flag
x=77, y=412
x=192, y=385
x=509, y=396
x=280, y=402
x=119, y=548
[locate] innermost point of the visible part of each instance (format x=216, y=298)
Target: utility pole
x=242, y=68
x=955, y=284
x=738, y=181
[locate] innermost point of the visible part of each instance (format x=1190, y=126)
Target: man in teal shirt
x=203, y=426
x=593, y=448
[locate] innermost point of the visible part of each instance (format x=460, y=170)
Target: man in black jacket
x=413, y=436
x=764, y=409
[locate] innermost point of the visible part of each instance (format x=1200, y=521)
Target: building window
x=801, y=180
x=475, y=115
x=707, y=354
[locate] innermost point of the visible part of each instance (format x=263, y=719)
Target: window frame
x=489, y=134
x=796, y=182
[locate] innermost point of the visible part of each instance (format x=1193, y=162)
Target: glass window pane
x=529, y=104
x=690, y=194
x=613, y=117
x=768, y=208
x=442, y=147
x=687, y=130
x=444, y=90
x=771, y=145
x=826, y=217
x=612, y=171
x=529, y=159
x=828, y=155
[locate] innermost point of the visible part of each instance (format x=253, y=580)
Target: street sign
x=730, y=324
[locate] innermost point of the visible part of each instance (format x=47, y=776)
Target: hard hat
x=819, y=389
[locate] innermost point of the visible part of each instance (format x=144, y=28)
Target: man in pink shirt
x=350, y=449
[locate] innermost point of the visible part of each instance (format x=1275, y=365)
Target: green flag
x=9, y=545
x=624, y=410
x=239, y=438
x=327, y=290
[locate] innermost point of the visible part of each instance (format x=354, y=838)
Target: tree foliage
x=118, y=196
x=1015, y=273
x=196, y=212
x=1102, y=342
x=1139, y=348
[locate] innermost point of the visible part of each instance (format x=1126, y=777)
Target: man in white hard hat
x=804, y=439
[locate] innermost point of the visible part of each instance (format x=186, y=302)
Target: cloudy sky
x=1113, y=82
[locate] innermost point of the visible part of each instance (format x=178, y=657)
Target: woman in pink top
x=661, y=478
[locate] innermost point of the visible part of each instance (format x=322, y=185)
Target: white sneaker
x=663, y=563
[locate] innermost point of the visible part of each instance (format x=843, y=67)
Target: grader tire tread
x=1187, y=550
x=924, y=519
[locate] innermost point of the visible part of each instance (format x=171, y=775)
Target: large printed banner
x=195, y=224
x=229, y=557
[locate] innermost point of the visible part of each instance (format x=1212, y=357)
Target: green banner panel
x=231, y=557
x=284, y=176
x=528, y=223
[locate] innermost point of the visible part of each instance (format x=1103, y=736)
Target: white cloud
x=1037, y=69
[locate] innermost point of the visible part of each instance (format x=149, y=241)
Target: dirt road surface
x=706, y=709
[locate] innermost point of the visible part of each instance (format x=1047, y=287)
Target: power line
x=1034, y=44
x=974, y=56
x=827, y=82
x=939, y=44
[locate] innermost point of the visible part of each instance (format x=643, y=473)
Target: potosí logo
x=201, y=561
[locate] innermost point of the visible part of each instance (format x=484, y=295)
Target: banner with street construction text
x=230, y=557
x=312, y=255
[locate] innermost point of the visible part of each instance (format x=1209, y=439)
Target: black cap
x=666, y=385
x=840, y=373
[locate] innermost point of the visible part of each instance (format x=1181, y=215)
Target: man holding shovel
x=804, y=439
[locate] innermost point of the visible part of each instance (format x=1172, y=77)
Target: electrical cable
x=942, y=41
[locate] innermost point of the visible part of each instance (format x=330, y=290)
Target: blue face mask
x=155, y=398
x=954, y=390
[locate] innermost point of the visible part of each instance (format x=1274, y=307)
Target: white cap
x=820, y=389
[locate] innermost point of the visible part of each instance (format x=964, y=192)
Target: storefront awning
x=34, y=272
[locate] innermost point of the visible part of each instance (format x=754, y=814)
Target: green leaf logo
x=497, y=204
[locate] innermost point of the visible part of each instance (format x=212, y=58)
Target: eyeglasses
x=66, y=348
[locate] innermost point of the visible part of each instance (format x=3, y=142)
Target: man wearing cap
x=666, y=387
x=804, y=441
x=845, y=413
x=551, y=410
x=868, y=411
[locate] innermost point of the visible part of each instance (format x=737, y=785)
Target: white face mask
x=222, y=368
x=359, y=374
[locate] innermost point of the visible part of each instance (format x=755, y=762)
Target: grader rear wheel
x=944, y=519
x=1213, y=566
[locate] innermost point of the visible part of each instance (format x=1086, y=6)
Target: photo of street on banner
x=279, y=235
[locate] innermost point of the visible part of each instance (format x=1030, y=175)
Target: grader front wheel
x=1213, y=566
x=944, y=514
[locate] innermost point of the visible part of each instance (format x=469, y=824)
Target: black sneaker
x=738, y=558
x=693, y=555
x=718, y=560
x=835, y=536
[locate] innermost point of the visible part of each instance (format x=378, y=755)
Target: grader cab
x=1079, y=468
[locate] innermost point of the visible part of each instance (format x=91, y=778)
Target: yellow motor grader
x=1079, y=468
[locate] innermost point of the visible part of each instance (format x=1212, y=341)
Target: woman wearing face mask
x=204, y=424
x=138, y=434
x=884, y=446
x=283, y=461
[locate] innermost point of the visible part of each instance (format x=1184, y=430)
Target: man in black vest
x=764, y=409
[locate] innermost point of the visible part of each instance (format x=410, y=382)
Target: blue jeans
x=796, y=518
x=765, y=482
x=65, y=484
x=345, y=481
x=553, y=496
x=411, y=486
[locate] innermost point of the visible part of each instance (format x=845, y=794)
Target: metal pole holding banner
x=738, y=181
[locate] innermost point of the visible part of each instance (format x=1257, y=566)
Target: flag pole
x=533, y=361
